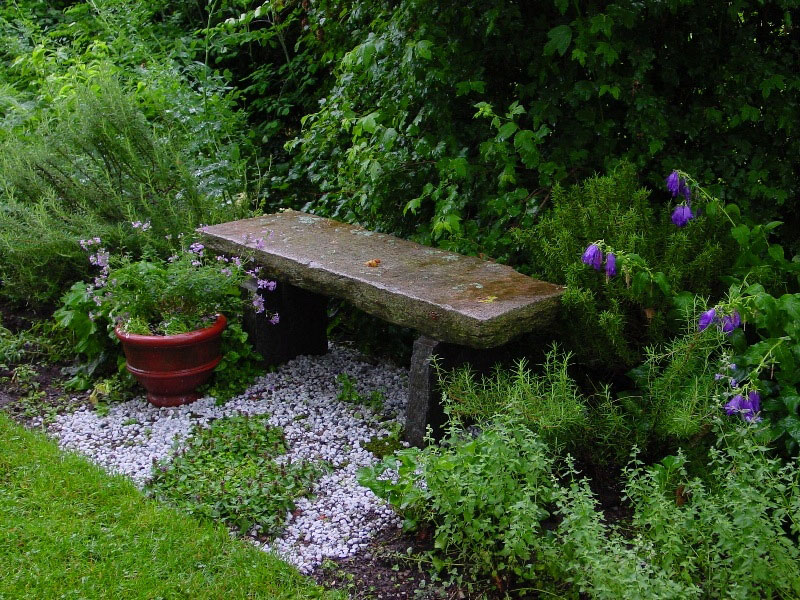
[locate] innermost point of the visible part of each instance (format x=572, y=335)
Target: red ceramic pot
x=171, y=367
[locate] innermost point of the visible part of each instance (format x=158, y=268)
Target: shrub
x=734, y=534
x=94, y=170
x=109, y=121
x=608, y=321
x=499, y=512
x=549, y=403
x=486, y=498
x=452, y=122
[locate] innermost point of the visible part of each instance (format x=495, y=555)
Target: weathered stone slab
x=443, y=295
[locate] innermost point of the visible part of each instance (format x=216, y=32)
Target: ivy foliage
x=451, y=122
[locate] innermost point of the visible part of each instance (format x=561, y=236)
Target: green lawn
x=69, y=530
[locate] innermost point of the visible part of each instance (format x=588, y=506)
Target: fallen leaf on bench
x=488, y=299
x=373, y=263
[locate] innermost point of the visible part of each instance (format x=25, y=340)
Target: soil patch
x=386, y=570
x=30, y=393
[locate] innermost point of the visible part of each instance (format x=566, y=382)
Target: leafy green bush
x=108, y=121
x=729, y=534
x=96, y=170
x=231, y=472
x=733, y=535
x=486, y=497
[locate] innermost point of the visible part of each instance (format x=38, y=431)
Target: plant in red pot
x=172, y=367
x=170, y=317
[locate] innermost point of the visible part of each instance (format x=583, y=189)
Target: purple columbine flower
x=611, y=264
x=748, y=407
x=593, y=256
x=734, y=405
x=683, y=188
x=731, y=322
x=706, y=319
x=682, y=215
x=677, y=186
x=673, y=183
x=751, y=407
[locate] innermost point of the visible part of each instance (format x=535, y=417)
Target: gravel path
x=300, y=397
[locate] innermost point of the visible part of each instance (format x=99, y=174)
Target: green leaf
x=791, y=403
x=465, y=87
x=661, y=281
x=579, y=55
x=791, y=425
x=790, y=304
x=559, y=40
x=424, y=49
x=369, y=122
x=609, y=89
x=741, y=233
x=655, y=147
x=459, y=167
x=389, y=136
x=601, y=23
x=640, y=282
x=776, y=252
x=527, y=148
x=506, y=131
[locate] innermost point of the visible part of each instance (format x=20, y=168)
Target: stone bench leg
x=302, y=328
x=425, y=395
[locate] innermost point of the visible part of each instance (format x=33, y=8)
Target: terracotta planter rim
x=179, y=339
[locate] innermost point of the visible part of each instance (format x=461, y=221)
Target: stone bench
x=464, y=308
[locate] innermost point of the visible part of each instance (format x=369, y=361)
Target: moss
x=384, y=446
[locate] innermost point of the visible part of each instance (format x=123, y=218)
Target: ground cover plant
x=230, y=472
x=98, y=537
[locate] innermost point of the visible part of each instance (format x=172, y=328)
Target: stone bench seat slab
x=446, y=296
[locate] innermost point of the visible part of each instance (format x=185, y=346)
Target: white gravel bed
x=300, y=396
